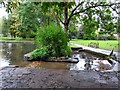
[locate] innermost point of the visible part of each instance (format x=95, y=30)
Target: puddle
x=95, y=64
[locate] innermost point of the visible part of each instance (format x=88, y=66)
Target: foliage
x=106, y=37
x=72, y=33
x=27, y=20
x=41, y=53
x=107, y=22
x=118, y=26
x=111, y=37
x=92, y=15
x=64, y=11
x=13, y=23
x=90, y=25
x=55, y=39
x=100, y=21
x=4, y=26
x=23, y=19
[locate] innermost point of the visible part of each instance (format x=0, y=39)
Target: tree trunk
x=66, y=18
x=66, y=27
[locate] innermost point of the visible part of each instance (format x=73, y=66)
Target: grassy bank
x=16, y=39
x=104, y=44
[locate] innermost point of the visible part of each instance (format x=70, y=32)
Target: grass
x=103, y=44
x=16, y=39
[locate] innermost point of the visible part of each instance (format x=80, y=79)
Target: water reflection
x=49, y=65
x=13, y=54
x=94, y=63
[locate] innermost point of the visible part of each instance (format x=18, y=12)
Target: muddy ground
x=50, y=78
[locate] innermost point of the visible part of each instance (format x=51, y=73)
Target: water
x=12, y=53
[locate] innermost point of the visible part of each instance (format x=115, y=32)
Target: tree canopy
x=93, y=13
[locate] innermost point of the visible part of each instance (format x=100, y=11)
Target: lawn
x=16, y=39
x=104, y=44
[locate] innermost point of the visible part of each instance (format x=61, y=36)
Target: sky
x=3, y=12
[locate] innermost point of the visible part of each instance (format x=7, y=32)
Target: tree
x=69, y=9
x=65, y=11
x=27, y=16
x=90, y=25
x=13, y=23
x=107, y=22
x=100, y=19
x=118, y=27
x=5, y=27
x=24, y=18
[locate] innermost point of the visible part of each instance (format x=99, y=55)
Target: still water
x=12, y=53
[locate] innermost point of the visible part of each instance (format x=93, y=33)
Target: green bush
x=91, y=36
x=111, y=38
x=106, y=37
x=41, y=53
x=102, y=37
x=55, y=39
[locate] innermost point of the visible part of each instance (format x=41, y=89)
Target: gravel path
x=50, y=78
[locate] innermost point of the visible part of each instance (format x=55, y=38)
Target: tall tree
x=65, y=11
x=69, y=9
x=5, y=27
x=27, y=19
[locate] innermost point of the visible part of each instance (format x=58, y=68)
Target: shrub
x=111, y=38
x=106, y=37
x=55, y=39
x=89, y=37
x=41, y=53
x=102, y=37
